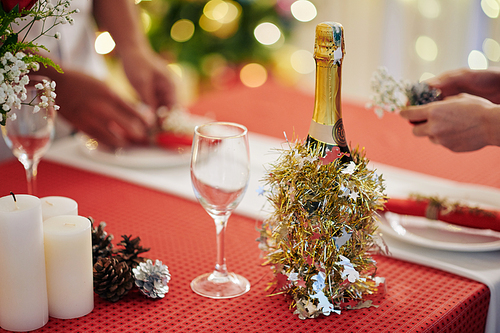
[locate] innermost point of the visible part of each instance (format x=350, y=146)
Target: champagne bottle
x=326, y=133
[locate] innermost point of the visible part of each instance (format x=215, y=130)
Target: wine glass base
x=219, y=287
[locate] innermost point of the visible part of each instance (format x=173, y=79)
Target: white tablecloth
x=479, y=266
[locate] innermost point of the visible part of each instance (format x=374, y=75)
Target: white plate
x=437, y=234
x=136, y=157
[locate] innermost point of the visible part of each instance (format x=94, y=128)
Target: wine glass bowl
x=220, y=169
x=29, y=134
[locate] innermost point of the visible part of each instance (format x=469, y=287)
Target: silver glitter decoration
x=152, y=279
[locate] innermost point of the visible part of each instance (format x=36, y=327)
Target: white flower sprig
x=18, y=51
x=391, y=95
x=48, y=95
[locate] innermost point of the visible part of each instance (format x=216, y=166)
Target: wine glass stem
x=31, y=167
x=220, y=225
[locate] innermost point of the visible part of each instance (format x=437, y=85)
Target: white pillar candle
x=68, y=258
x=23, y=288
x=54, y=206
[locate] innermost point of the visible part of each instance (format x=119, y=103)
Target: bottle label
x=329, y=134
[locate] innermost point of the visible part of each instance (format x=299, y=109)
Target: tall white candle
x=23, y=288
x=54, y=206
x=68, y=258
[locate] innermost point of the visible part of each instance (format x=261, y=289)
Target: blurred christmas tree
x=216, y=34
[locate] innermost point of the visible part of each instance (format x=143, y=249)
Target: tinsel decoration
x=130, y=251
x=101, y=241
x=391, y=95
x=112, y=278
x=321, y=232
x=152, y=279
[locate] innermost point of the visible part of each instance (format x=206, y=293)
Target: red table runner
x=182, y=235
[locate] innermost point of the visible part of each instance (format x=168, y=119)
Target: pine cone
x=152, y=279
x=421, y=93
x=130, y=251
x=112, y=278
x=101, y=242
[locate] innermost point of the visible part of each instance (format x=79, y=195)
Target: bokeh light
x=216, y=10
x=303, y=61
x=253, y=75
x=267, y=33
x=221, y=11
x=182, y=30
x=425, y=76
x=429, y=8
x=426, y=48
x=177, y=69
x=220, y=17
x=491, y=8
x=104, y=43
x=282, y=65
x=303, y=10
x=146, y=20
x=477, y=60
x=213, y=63
x=208, y=24
x=491, y=49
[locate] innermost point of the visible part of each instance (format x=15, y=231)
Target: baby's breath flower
x=391, y=95
x=14, y=69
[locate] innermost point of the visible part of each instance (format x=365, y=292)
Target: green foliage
x=237, y=48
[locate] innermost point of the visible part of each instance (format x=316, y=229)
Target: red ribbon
x=463, y=216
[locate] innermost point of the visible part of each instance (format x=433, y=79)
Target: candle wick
x=15, y=200
x=49, y=203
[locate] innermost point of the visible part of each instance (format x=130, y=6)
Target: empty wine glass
x=29, y=134
x=220, y=168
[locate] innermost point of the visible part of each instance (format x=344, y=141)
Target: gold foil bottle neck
x=329, y=42
x=326, y=132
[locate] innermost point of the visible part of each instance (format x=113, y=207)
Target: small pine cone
x=112, y=278
x=101, y=242
x=421, y=93
x=152, y=279
x=130, y=251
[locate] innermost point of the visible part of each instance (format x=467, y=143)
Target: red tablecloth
x=182, y=235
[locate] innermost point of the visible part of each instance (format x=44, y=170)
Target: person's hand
x=460, y=123
x=483, y=83
x=92, y=107
x=150, y=77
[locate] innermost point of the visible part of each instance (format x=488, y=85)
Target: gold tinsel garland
x=320, y=235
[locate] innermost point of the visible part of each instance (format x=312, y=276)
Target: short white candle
x=68, y=258
x=54, y=206
x=23, y=288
